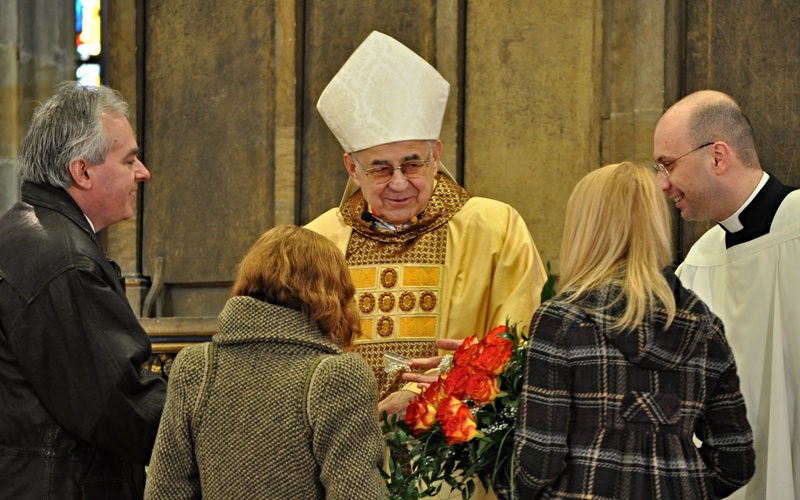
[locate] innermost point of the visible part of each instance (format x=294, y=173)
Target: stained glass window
x=88, y=41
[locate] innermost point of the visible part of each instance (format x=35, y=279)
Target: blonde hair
x=296, y=268
x=617, y=230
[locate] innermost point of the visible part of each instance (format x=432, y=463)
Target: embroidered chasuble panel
x=399, y=279
x=400, y=309
x=399, y=302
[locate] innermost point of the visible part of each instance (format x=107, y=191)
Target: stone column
x=9, y=104
x=633, y=78
x=37, y=40
x=533, y=94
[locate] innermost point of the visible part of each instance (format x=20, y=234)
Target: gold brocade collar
x=446, y=200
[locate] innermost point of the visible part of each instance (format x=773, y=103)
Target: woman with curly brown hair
x=273, y=407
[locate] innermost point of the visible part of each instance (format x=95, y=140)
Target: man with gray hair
x=429, y=261
x=78, y=413
x=746, y=269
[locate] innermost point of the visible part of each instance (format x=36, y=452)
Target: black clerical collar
x=757, y=216
x=732, y=224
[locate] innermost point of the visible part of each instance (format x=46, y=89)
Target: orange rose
x=457, y=421
x=467, y=351
x=494, y=338
x=420, y=416
x=494, y=358
x=482, y=387
x=455, y=381
x=433, y=394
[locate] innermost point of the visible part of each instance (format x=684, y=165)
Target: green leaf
x=452, y=482
x=549, y=288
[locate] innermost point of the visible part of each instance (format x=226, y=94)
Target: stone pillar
x=533, y=94
x=9, y=104
x=37, y=40
x=124, y=28
x=633, y=78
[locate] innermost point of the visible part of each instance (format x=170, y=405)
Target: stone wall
x=37, y=40
x=223, y=97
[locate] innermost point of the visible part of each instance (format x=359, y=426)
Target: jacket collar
x=245, y=319
x=55, y=198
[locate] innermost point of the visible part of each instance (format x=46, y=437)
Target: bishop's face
x=399, y=197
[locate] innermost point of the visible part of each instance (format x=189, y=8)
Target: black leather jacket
x=78, y=414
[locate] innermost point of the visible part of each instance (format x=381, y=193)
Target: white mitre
x=384, y=93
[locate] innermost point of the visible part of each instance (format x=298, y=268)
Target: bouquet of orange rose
x=461, y=427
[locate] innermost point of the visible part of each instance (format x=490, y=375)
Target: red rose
x=457, y=421
x=467, y=351
x=482, y=387
x=455, y=381
x=494, y=359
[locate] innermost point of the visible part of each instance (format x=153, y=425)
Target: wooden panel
x=749, y=50
x=332, y=33
x=209, y=135
x=170, y=335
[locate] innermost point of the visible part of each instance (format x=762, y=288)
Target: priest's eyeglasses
x=660, y=168
x=412, y=169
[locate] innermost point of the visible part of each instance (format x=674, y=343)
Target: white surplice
x=754, y=287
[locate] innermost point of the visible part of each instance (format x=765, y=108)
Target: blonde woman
x=273, y=407
x=625, y=367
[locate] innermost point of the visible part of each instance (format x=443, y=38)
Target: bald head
x=705, y=146
x=711, y=116
x=704, y=98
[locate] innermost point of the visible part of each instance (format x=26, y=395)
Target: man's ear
x=722, y=157
x=437, y=151
x=350, y=165
x=79, y=171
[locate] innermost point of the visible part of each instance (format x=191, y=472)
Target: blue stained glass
x=88, y=46
x=78, y=16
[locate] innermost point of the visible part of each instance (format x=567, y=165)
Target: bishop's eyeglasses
x=412, y=169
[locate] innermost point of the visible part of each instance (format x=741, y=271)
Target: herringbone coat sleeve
x=347, y=441
x=173, y=472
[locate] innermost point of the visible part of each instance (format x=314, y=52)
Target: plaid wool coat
x=609, y=414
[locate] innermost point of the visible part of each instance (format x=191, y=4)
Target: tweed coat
x=237, y=427
x=609, y=414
